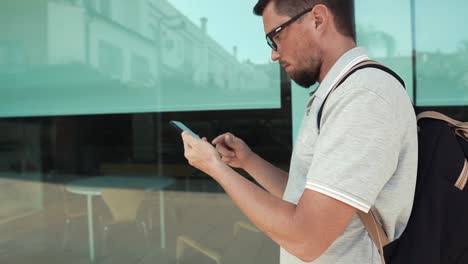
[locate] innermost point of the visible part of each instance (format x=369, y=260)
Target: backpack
x=437, y=230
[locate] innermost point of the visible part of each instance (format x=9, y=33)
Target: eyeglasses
x=276, y=31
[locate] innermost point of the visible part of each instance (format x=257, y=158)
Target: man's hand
x=233, y=150
x=201, y=154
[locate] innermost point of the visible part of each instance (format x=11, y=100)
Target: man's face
x=298, y=52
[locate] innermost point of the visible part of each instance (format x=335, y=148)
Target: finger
x=186, y=144
x=222, y=138
x=219, y=139
x=230, y=140
x=187, y=149
x=189, y=139
x=204, y=139
x=224, y=151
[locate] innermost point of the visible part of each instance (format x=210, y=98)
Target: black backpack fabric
x=437, y=231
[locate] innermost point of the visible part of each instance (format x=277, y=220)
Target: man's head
x=305, y=35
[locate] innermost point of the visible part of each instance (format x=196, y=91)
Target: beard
x=307, y=76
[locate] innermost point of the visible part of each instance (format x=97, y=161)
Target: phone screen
x=181, y=127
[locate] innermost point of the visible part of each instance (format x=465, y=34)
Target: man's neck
x=332, y=54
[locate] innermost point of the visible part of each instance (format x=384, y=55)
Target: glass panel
x=112, y=56
x=387, y=36
x=110, y=59
x=75, y=189
x=442, y=53
x=80, y=183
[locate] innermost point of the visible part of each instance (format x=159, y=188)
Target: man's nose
x=274, y=55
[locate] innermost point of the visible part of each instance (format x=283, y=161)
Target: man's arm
x=235, y=152
x=305, y=230
x=272, y=178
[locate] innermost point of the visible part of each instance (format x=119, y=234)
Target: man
x=365, y=154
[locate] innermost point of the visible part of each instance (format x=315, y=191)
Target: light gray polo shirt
x=365, y=155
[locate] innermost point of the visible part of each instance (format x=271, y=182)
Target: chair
x=248, y=245
x=74, y=208
x=206, y=217
x=124, y=206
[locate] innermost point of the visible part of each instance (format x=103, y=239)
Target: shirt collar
x=341, y=66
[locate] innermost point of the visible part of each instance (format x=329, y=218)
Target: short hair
x=343, y=11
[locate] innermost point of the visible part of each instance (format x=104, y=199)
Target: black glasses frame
x=269, y=37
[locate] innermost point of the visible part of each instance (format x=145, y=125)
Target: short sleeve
x=357, y=149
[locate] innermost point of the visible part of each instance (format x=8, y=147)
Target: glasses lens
x=271, y=43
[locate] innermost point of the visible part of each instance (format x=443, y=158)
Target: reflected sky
x=230, y=23
x=385, y=30
x=388, y=17
x=441, y=27
x=130, y=57
x=112, y=56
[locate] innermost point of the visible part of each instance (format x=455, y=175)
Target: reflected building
x=141, y=43
x=101, y=53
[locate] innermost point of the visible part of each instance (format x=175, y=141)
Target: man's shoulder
x=377, y=82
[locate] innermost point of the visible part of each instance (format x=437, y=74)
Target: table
x=93, y=187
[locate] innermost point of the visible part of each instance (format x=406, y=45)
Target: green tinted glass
x=386, y=37
x=95, y=56
x=441, y=40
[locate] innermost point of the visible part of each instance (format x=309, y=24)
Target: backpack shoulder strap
x=372, y=225
x=461, y=128
x=376, y=232
x=357, y=67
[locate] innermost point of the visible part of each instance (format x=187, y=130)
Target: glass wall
x=90, y=169
x=145, y=56
x=441, y=53
x=386, y=37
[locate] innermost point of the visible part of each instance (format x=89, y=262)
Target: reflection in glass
x=442, y=65
x=440, y=59
x=386, y=37
x=80, y=189
x=77, y=186
x=110, y=56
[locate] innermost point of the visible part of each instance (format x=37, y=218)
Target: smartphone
x=181, y=128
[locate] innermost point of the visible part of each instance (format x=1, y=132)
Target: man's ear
x=321, y=16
